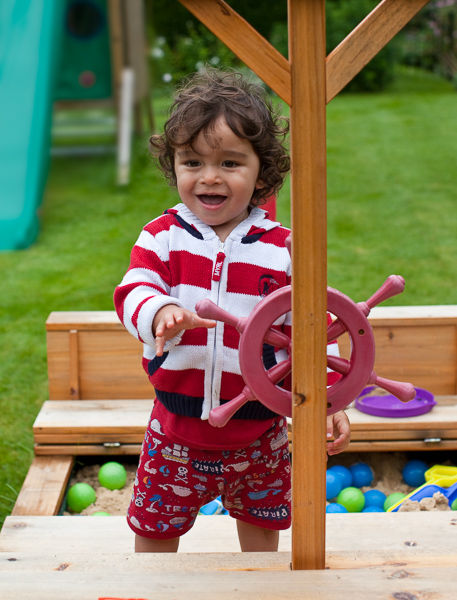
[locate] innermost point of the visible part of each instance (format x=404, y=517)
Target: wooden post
x=309, y=273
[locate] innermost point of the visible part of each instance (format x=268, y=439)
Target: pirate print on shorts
x=173, y=482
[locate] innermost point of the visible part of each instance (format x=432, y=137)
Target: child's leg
x=257, y=539
x=144, y=544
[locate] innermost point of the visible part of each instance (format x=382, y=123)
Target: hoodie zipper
x=220, y=258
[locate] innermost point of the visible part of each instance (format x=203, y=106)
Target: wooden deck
x=395, y=556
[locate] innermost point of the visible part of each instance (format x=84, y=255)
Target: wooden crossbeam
x=251, y=47
x=343, y=63
x=367, y=39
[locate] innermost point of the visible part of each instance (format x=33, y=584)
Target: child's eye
x=192, y=163
x=230, y=164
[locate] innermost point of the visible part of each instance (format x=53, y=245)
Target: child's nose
x=211, y=175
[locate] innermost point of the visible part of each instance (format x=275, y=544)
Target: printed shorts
x=173, y=482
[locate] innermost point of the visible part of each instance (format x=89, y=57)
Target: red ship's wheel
x=356, y=372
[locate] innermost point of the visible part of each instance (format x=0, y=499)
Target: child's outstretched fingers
x=170, y=320
x=339, y=427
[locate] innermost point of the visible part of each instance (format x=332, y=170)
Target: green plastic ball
x=454, y=505
x=112, y=476
x=101, y=513
x=393, y=499
x=80, y=496
x=351, y=498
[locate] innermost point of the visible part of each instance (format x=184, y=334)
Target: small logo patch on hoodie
x=267, y=285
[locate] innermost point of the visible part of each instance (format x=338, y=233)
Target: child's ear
x=259, y=184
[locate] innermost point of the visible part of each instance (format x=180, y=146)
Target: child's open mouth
x=211, y=199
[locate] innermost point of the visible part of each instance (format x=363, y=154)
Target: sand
x=114, y=502
x=387, y=468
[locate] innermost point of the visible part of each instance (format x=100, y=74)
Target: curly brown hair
x=250, y=114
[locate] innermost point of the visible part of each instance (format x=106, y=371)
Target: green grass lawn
x=391, y=209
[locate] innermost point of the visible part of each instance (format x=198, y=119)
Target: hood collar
x=257, y=220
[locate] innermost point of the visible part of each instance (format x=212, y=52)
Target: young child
x=223, y=149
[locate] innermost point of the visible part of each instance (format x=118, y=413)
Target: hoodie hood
x=248, y=231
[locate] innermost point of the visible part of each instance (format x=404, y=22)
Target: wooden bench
x=100, y=397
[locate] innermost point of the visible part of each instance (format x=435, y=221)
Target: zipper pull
x=219, y=263
x=218, y=266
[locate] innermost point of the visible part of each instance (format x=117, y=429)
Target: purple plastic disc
x=389, y=406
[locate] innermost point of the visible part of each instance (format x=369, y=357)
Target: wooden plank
x=441, y=418
x=109, y=366
x=403, y=353
x=354, y=540
x=44, y=486
x=367, y=39
x=101, y=416
x=309, y=272
x=112, y=582
x=90, y=437
x=90, y=449
x=412, y=434
x=400, y=446
x=211, y=533
x=84, y=319
x=425, y=316
x=236, y=33
x=379, y=316
x=186, y=561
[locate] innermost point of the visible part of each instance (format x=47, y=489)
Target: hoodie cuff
x=146, y=317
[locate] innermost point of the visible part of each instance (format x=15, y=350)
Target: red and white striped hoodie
x=180, y=260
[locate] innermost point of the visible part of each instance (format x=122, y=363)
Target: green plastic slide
x=30, y=34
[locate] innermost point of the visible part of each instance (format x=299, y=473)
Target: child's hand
x=171, y=320
x=339, y=428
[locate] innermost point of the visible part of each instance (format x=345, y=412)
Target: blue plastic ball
x=414, y=473
x=374, y=498
x=373, y=509
x=361, y=474
x=336, y=508
x=344, y=474
x=333, y=485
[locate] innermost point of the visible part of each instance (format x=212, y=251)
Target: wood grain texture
x=359, y=540
x=44, y=487
x=309, y=274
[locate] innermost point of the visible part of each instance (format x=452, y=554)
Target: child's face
x=217, y=184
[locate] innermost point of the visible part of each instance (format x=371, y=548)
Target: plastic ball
x=454, y=504
x=112, y=476
x=351, y=498
x=333, y=485
x=361, y=474
x=374, y=498
x=414, y=473
x=101, y=513
x=336, y=508
x=393, y=499
x=371, y=509
x=344, y=474
x=80, y=496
